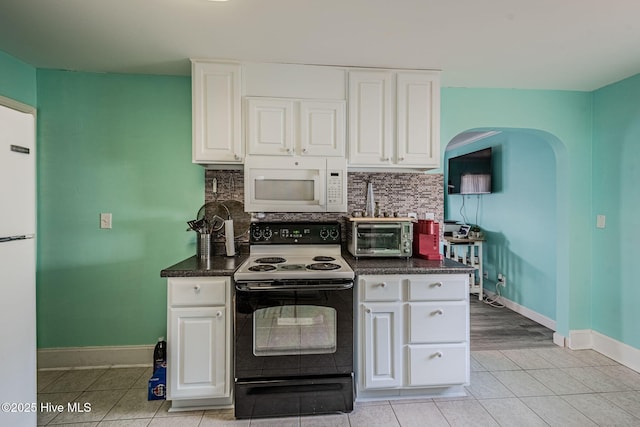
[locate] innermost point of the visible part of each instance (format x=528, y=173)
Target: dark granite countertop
x=404, y=265
x=219, y=265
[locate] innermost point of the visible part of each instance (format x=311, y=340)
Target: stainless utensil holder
x=204, y=249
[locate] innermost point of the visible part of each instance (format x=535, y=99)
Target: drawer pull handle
x=219, y=314
x=383, y=285
x=437, y=355
x=196, y=288
x=437, y=284
x=438, y=312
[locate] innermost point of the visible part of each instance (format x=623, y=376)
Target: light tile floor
x=524, y=387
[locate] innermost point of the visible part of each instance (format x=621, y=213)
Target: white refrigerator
x=17, y=269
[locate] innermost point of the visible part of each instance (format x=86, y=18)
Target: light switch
x=601, y=221
x=105, y=220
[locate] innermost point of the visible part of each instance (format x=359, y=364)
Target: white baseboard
x=526, y=312
x=559, y=340
x=92, y=357
x=616, y=350
x=580, y=339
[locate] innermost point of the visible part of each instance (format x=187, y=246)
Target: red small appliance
x=426, y=239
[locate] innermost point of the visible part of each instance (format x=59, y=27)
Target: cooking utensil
x=241, y=219
x=213, y=215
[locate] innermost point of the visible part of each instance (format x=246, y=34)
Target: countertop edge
x=226, y=266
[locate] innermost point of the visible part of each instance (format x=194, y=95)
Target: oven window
x=379, y=238
x=294, y=329
x=285, y=189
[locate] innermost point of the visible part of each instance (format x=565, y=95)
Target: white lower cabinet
x=199, y=333
x=413, y=335
x=381, y=325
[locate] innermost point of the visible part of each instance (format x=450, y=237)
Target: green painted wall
x=17, y=80
x=120, y=144
x=518, y=218
x=616, y=175
x=564, y=120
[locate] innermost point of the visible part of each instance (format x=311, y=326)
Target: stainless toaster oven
x=380, y=237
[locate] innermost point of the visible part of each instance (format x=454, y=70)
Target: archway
x=525, y=218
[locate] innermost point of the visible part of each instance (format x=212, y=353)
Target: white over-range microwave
x=295, y=184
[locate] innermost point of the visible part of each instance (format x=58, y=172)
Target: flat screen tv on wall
x=470, y=173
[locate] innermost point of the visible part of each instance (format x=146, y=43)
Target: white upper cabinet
x=270, y=127
x=370, y=118
x=216, y=98
x=394, y=119
x=393, y=116
x=418, y=119
x=295, y=127
x=322, y=128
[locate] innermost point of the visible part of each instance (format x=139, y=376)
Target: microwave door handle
x=318, y=179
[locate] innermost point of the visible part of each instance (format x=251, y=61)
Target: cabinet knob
x=219, y=314
x=437, y=284
x=196, y=288
x=438, y=354
x=438, y=312
x=304, y=150
x=383, y=285
x=235, y=156
x=288, y=150
x=385, y=159
x=401, y=159
x=367, y=310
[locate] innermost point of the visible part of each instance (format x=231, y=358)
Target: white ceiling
x=537, y=44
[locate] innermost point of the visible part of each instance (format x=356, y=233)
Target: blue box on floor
x=158, y=384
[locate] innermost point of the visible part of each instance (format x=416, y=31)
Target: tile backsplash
x=395, y=192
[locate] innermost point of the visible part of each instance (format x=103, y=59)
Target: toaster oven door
x=384, y=239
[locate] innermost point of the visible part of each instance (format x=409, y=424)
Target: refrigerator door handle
x=12, y=238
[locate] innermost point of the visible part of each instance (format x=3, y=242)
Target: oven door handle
x=258, y=286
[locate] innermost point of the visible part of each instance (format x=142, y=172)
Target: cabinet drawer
x=197, y=291
x=436, y=365
x=444, y=321
x=438, y=287
x=381, y=288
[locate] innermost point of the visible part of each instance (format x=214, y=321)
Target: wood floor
x=502, y=329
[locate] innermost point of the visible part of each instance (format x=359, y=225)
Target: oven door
x=293, y=329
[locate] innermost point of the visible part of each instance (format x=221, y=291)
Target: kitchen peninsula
x=411, y=328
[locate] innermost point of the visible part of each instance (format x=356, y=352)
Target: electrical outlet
x=105, y=220
x=502, y=279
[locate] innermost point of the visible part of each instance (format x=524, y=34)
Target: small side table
x=469, y=252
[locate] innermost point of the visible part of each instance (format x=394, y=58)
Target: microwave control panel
x=335, y=188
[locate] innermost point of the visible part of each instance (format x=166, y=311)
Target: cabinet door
x=380, y=345
x=271, y=128
x=370, y=117
x=197, y=364
x=418, y=119
x=216, y=113
x=322, y=128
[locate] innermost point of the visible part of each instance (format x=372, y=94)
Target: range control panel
x=294, y=233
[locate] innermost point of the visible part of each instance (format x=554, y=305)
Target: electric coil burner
x=294, y=322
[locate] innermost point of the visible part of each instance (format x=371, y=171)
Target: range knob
x=257, y=234
x=267, y=233
x=334, y=234
x=324, y=233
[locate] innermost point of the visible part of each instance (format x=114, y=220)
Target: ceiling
x=535, y=44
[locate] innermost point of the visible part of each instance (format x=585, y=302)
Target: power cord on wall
x=495, y=300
